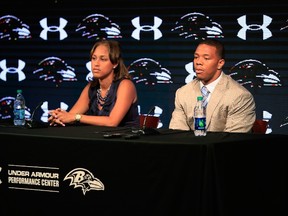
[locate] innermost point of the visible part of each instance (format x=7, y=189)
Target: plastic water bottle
x=19, y=109
x=199, y=118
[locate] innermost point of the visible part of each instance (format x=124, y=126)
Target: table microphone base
x=36, y=124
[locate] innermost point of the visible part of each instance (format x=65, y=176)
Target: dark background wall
x=48, y=60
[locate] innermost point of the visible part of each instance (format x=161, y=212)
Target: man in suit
x=231, y=107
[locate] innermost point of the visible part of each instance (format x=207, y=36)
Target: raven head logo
x=55, y=69
x=198, y=26
x=254, y=73
x=12, y=28
x=98, y=26
x=149, y=72
x=84, y=179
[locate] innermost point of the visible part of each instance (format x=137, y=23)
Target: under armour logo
x=254, y=27
x=45, y=114
x=89, y=76
x=136, y=23
x=191, y=73
x=12, y=70
x=60, y=28
x=267, y=116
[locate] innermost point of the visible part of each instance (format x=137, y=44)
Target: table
x=76, y=170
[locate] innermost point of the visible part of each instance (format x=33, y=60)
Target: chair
x=260, y=126
x=147, y=121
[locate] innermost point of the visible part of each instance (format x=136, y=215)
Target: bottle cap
x=19, y=90
x=199, y=98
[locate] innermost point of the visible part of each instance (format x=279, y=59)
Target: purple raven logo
x=55, y=69
x=98, y=26
x=149, y=72
x=84, y=179
x=12, y=28
x=197, y=26
x=253, y=73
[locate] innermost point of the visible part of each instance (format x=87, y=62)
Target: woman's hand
x=57, y=117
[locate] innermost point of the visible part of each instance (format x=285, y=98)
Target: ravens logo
x=84, y=179
x=12, y=28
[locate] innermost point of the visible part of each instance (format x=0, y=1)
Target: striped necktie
x=205, y=93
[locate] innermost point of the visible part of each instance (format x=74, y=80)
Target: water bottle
x=19, y=109
x=199, y=118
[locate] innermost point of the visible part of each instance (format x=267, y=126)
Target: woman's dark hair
x=115, y=57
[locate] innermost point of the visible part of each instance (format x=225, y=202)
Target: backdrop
x=45, y=51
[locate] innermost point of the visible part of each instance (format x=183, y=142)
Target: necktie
x=205, y=93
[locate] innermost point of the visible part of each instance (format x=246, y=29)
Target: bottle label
x=19, y=114
x=200, y=123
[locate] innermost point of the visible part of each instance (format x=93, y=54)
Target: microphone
x=148, y=130
x=36, y=124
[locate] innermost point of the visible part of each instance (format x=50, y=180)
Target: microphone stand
x=148, y=130
x=32, y=124
x=284, y=122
